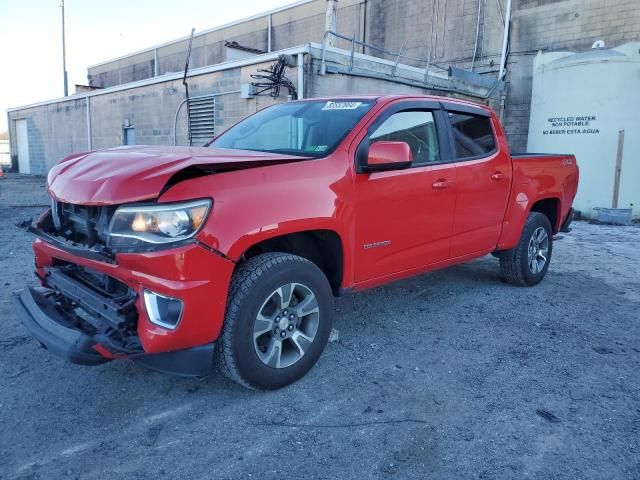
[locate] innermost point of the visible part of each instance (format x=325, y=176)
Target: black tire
x=252, y=285
x=514, y=263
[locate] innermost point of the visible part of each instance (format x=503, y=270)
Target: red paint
x=481, y=201
x=131, y=174
x=197, y=276
x=392, y=224
x=106, y=353
x=388, y=153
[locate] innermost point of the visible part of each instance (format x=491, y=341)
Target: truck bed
x=547, y=175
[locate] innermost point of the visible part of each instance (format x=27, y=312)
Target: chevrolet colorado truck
x=230, y=254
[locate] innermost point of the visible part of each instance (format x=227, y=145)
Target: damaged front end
x=124, y=274
x=82, y=315
x=79, y=230
x=89, y=307
x=79, y=313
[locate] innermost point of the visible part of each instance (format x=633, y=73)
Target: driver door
x=404, y=218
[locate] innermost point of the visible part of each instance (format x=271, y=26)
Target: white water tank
x=580, y=102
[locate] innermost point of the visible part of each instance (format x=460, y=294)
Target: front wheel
x=527, y=263
x=278, y=319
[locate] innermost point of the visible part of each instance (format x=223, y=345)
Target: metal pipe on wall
x=330, y=19
x=475, y=46
x=437, y=17
x=89, y=135
x=155, y=62
x=269, y=28
x=364, y=25
x=500, y=12
x=444, y=28
x=300, y=88
x=505, y=40
x=484, y=24
x=432, y=44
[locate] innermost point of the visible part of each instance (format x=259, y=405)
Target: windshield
x=310, y=128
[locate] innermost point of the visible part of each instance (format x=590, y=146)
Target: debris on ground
x=547, y=415
x=334, y=335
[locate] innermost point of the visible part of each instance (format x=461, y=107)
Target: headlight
x=142, y=225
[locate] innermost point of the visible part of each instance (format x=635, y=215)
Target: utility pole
x=64, y=54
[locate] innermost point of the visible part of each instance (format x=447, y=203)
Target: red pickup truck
x=231, y=254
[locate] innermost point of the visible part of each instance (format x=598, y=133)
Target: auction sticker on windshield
x=341, y=105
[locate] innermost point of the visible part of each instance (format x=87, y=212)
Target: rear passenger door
x=483, y=172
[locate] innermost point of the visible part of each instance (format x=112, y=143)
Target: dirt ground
x=449, y=375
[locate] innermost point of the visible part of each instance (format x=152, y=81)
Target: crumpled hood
x=135, y=173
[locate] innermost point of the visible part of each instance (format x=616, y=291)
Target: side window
x=415, y=127
x=472, y=135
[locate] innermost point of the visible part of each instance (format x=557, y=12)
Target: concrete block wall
x=53, y=131
x=137, y=67
x=444, y=29
x=230, y=108
x=58, y=129
x=147, y=109
x=290, y=27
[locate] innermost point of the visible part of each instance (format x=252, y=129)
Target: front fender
x=250, y=206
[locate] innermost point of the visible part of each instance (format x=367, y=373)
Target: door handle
x=441, y=184
x=497, y=176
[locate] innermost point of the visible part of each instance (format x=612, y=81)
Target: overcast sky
x=97, y=30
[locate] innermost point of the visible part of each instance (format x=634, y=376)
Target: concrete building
x=140, y=97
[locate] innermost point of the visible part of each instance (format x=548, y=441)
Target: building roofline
x=265, y=57
x=313, y=49
x=204, y=32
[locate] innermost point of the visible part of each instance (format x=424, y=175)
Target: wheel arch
x=522, y=205
x=322, y=247
x=550, y=207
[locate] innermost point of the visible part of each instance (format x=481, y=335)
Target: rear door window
x=472, y=135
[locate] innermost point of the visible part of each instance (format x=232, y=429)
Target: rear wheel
x=528, y=262
x=278, y=320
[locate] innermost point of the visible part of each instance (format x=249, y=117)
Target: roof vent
x=598, y=44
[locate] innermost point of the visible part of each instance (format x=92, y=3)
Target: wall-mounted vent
x=202, y=113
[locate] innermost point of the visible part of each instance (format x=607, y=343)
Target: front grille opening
x=119, y=328
x=81, y=224
x=100, y=282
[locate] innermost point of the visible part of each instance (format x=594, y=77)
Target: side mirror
x=388, y=156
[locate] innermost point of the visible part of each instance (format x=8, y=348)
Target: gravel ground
x=449, y=375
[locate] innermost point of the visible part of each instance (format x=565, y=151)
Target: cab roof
x=383, y=99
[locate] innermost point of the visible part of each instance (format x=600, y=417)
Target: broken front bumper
x=79, y=318
x=40, y=316
x=46, y=325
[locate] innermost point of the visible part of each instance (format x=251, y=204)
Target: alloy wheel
x=286, y=325
x=538, y=250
